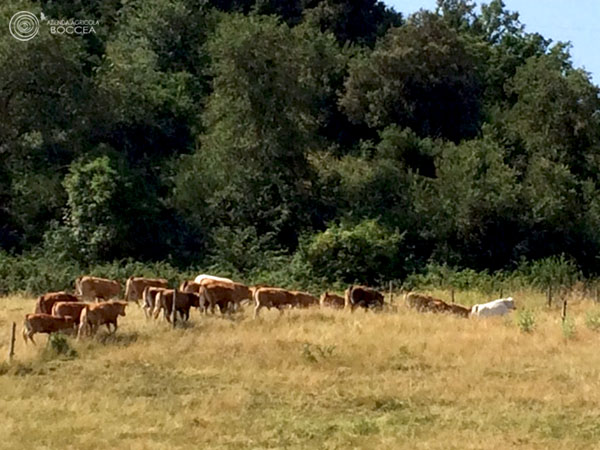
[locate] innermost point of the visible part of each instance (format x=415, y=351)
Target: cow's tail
x=348, y=298
x=26, y=329
x=128, y=289
x=78, y=286
x=83, y=319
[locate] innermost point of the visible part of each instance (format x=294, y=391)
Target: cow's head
x=121, y=307
x=194, y=299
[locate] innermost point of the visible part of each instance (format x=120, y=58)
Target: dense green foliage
x=314, y=141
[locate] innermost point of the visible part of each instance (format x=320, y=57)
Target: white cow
x=499, y=307
x=205, y=276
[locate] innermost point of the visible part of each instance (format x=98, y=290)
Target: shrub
x=59, y=346
x=568, y=328
x=592, y=320
x=526, y=321
x=367, y=252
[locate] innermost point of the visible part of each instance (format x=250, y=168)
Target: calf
x=92, y=288
x=45, y=323
x=45, y=302
x=70, y=309
x=96, y=314
x=134, y=287
x=362, y=296
x=498, y=307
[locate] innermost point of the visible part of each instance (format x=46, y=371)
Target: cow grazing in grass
x=92, y=288
x=427, y=303
x=362, y=296
x=69, y=309
x=149, y=299
x=420, y=302
x=304, y=300
x=183, y=303
x=268, y=297
x=331, y=301
x=499, y=307
x=45, y=302
x=134, y=287
x=226, y=295
x=45, y=323
x=459, y=310
x=97, y=314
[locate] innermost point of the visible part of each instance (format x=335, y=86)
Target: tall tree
x=424, y=76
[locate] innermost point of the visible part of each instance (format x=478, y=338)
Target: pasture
x=310, y=379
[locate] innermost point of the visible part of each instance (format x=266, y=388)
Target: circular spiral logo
x=24, y=25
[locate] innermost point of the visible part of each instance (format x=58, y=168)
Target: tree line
x=324, y=139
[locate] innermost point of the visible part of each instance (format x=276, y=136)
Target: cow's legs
x=257, y=309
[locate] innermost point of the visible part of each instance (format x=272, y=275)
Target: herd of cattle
x=92, y=306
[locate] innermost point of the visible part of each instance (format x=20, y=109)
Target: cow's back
x=94, y=287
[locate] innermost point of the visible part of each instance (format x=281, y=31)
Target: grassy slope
x=309, y=379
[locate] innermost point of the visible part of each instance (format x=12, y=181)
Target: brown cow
x=134, y=287
x=420, y=302
x=149, y=299
x=104, y=313
x=189, y=286
x=331, y=301
x=423, y=303
x=45, y=302
x=268, y=297
x=45, y=323
x=92, y=288
x=362, y=296
x=304, y=300
x=227, y=296
x=459, y=310
x=71, y=309
x=183, y=303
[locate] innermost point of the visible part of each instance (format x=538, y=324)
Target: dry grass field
x=310, y=379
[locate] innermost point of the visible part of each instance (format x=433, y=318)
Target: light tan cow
x=96, y=314
x=68, y=309
x=45, y=323
x=134, y=287
x=268, y=297
x=92, y=288
x=331, y=301
x=45, y=302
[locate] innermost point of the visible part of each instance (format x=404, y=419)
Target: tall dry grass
x=311, y=379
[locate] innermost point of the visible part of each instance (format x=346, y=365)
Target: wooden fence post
x=11, y=347
x=452, y=294
x=174, y=309
x=549, y=295
x=597, y=294
x=563, y=314
x=391, y=293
